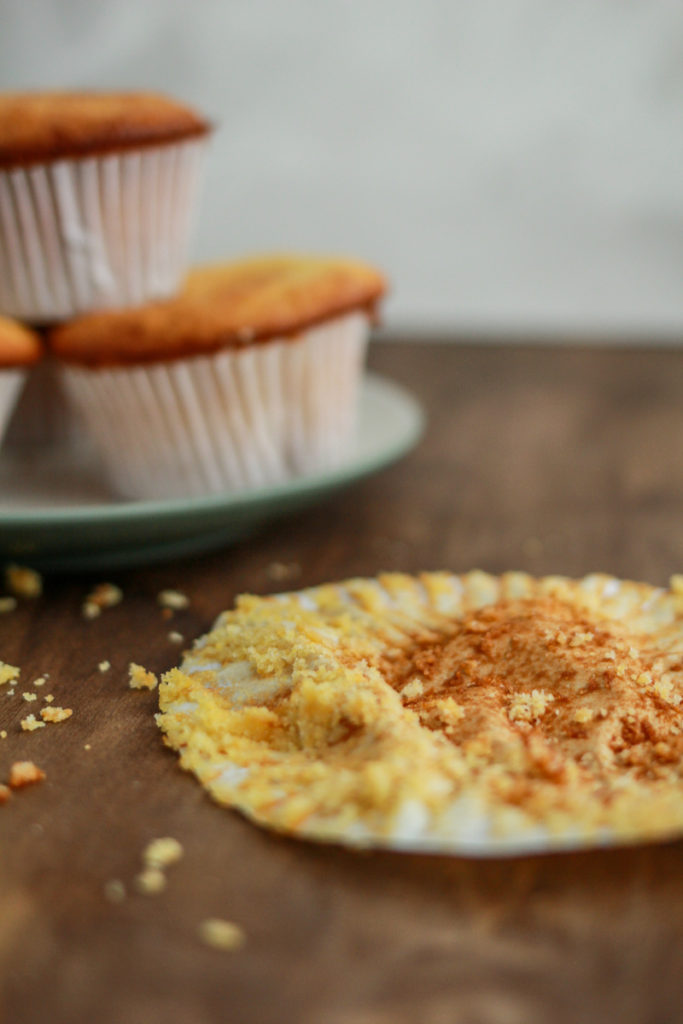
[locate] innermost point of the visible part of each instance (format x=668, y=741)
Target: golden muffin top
x=19, y=346
x=223, y=306
x=39, y=126
x=443, y=712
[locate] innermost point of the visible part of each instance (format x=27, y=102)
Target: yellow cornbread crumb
x=140, y=679
x=55, y=714
x=173, y=599
x=40, y=681
x=3, y=734
x=8, y=673
x=150, y=881
x=7, y=604
x=175, y=637
x=31, y=723
x=104, y=666
x=24, y=773
x=583, y=715
x=23, y=582
x=48, y=698
x=104, y=595
x=29, y=696
x=161, y=853
x=222, y=935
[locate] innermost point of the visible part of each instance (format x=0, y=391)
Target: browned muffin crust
x=19, y=346
x=223, y=306
x=40, y=126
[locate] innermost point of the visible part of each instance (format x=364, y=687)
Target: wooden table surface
x=544, y=459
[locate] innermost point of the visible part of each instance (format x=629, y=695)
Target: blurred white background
x=515, y=165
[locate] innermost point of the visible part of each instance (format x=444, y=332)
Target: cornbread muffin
x=469, y=714
x=20, y=348
x=97, y=193
x=248, y=377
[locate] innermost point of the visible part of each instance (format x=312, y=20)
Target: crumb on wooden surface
x=23, y=582
x=223, y=935
x=163, y=852
x=31, y=723
x=173, y=599
x=24, y=773
x=55, y=715
x=5, y=794
x=3, y=734
x=40, y=681
x=8, y=673
x=104, y=666
x=104, y=595
x=278, y=572
x=150, y=882
x=140, y=679
x=175, y=637
x=7, y=604
x=28, y=696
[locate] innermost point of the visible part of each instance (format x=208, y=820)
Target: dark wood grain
x=550, y=460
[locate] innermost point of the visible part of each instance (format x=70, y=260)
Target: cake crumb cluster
x=140, y=679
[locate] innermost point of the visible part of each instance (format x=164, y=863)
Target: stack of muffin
x=228, y=377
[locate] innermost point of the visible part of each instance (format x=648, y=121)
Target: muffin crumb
x=161, y=853
x=150, y=882
x=140, y=679
x=173, y=599
x=222, y=935
x=8, y=673
x=24, y=773
x=28, y=696
x=40, y=681
x=23, y=582
x=278, y=572
x=104, y=666
x=31, y=723
x=55, y=714
x=175, y=637
x=3, y=734
x=7, y=604
x=104, y=595
x=48, y=698
x=5, y=794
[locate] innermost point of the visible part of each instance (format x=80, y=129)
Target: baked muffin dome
x=227, y=305
x=39, y=126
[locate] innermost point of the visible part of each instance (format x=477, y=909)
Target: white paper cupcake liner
x=234, y=420
x=43, y=418
x=96, y=232
x=11, y=381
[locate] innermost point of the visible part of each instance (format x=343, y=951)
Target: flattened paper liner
x=468, y=824
x=96, y=232
x=232, y=420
